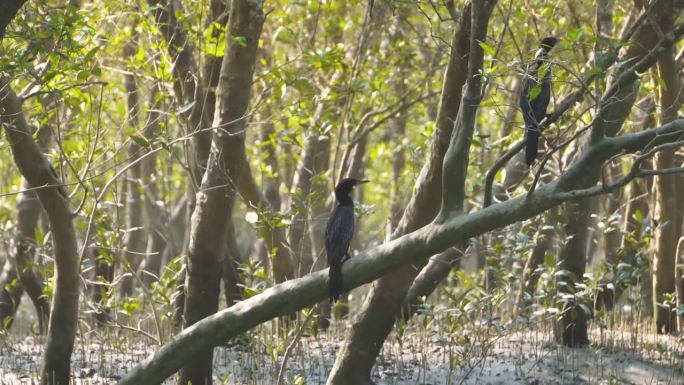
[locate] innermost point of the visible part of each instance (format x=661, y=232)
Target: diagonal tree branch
x=455, y=169
x=373, y=263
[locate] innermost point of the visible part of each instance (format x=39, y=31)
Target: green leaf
x=489, y=50
x=574, y=34
x=140, y=140
x=534, y=92
x=6, y=322
x=240, y=40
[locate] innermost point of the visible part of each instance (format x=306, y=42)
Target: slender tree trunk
x=319, y=215
x=634, y=223
x=216, y=196
x=156, y=218
x=362, y=345
x=315, y=145
x=612, y=204
x=531, y=273
x=397, y=133
x=10, y=294
x=231, y=278
x=189, y=90
x=103, y=273
x=33, y=165
x=274, y=236
x=679, y=283
x=135, y=237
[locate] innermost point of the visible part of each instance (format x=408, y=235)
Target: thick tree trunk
x=216, y=196
x=28, y=212
x=21, y=259
x=572, y=329
x=429, y=278
x=381, y=306
x=667, y=208
x=37, y=170
x=572, y=326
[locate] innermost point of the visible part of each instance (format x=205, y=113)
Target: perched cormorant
x=338, y=234
x=535, y=97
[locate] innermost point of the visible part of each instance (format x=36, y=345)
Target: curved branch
x=373, y=263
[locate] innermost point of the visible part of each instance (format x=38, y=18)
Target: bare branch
x=375, y=262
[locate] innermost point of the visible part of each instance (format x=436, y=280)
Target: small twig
x=498, y=165
x=291, y=346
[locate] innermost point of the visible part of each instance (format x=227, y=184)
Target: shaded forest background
x=168, y=166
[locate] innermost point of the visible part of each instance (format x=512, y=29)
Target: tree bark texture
x=571, y=262
x=216, y=196
x=28, y=212
x=33, y=165
x=667, y=208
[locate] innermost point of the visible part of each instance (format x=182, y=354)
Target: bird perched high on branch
x=535, y=97
x=338, y=234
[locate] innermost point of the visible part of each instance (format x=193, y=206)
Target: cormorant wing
x=339, y=232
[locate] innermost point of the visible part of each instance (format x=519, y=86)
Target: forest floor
x=417, y=354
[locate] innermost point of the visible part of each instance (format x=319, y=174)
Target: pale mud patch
x=516, y=358
x=416, y=355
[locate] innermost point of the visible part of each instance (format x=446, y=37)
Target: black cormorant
x=535, y=97
x=338, y=234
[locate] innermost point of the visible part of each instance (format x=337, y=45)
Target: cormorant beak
x=362, y=181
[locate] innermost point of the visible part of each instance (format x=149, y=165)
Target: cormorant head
x=345, y=187
x=548, y=42
x=545, y=46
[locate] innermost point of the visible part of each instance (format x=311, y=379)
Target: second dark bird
x=338, y=234
x=535, y=97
